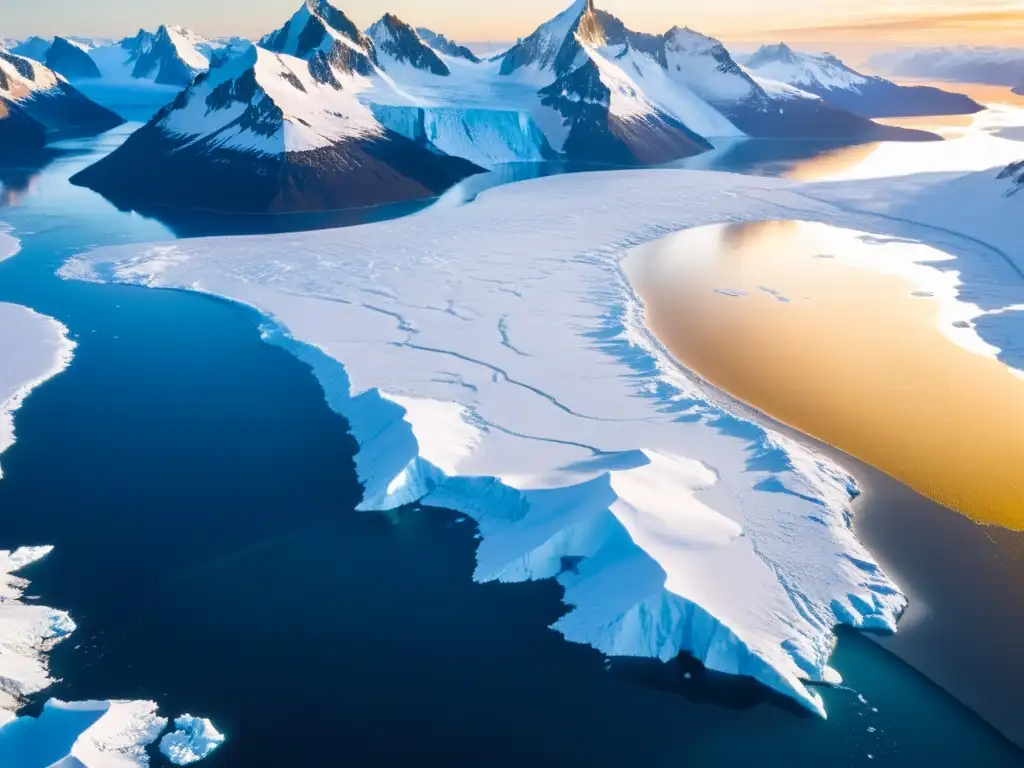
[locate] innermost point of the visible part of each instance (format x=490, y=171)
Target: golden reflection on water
x=776, y=314
x=988, y=139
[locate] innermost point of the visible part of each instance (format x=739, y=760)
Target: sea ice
x=194, y=739
x=86, y=734
x=33, y=348
x=27, y=633
x=504, y=371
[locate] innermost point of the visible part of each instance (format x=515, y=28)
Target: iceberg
x=504, y=371
x=194, y=739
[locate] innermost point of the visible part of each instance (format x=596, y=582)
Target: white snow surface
x=194, y=739
x=313, y=114
x=503, y=370
x=690, y=60
x=27, y=633
x=34, y=348
x=86, y=734
x=192, y=48
x=808, y=69
x=21, y=87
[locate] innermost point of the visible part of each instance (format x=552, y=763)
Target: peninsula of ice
x=504, y=371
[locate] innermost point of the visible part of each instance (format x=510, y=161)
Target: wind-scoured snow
x=85, y=734
x=504, y=371
x=193, y=739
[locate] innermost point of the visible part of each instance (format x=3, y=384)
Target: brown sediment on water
x=848, y=354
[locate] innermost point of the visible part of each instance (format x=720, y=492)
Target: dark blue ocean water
x=200, y=495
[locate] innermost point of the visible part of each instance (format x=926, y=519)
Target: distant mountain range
x=38, y=106
x=281, y=118
x=841, y=86
x=974, y=64
x=172, y=55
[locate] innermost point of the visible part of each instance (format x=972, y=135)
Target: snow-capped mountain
x=969, y=64
x=1014, y=173
x=37, y=105
x=398, y=43
x=828, y=77
x=658, y=97
x=442, y=44
x=270, y=132
x=174, y=56
x=326, y=37
x=71, y=59
x=32, y=48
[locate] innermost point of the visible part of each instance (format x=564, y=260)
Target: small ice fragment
x=871, y=729
x=688, y=675
x=194, y=739
x=731, y=291
x=861, y=699
x=461, y=520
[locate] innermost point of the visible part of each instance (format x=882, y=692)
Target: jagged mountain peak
x=776, y=52
x=269, y=103
x=444, y=45
x=400, y=42
x=319, y=30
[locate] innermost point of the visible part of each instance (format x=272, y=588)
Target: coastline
x=40, y=349
x=964, y=622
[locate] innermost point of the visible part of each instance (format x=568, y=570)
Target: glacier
x=504, y=371
x=484, y=136
x=194, y=739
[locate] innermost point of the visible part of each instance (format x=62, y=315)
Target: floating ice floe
x=194, y=739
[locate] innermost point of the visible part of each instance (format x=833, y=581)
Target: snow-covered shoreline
x=35, y=348
x=504, y=371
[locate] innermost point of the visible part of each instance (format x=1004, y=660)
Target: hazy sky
x=999, y=22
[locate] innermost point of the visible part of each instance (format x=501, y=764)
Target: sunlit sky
x=845, y=22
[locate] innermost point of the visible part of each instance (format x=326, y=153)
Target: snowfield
x=503, y=370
